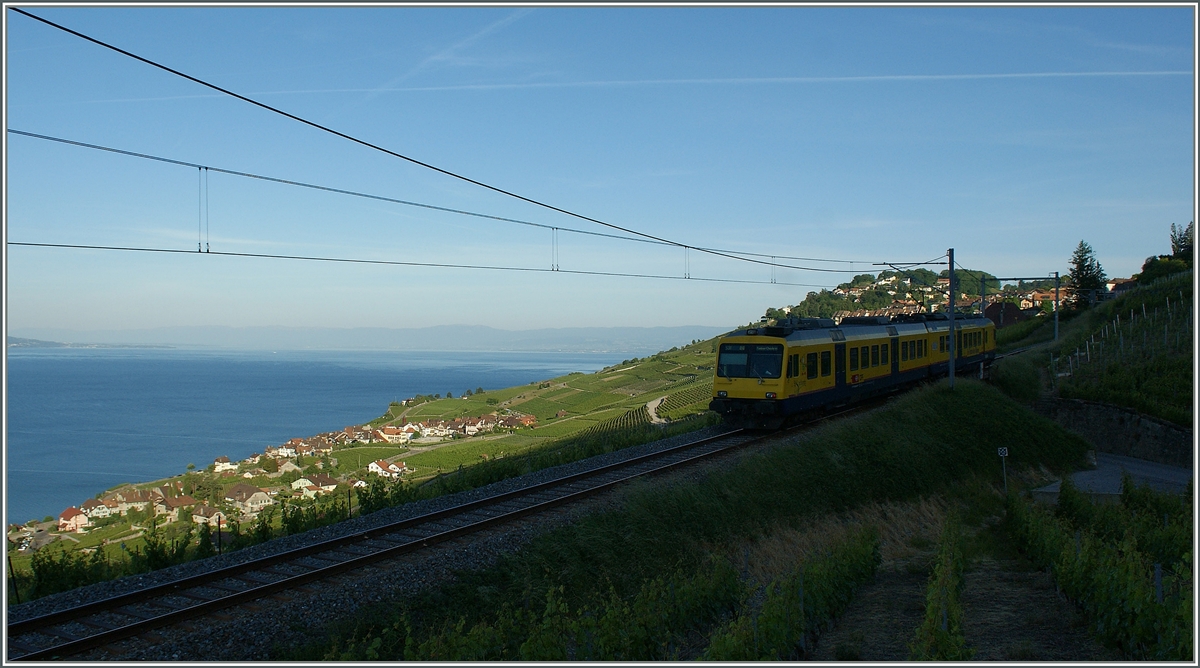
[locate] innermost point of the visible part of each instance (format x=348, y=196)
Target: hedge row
x=1114, y=583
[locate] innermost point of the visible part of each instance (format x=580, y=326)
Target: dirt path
x=1011, y=613
x=652, y=408
x=879, y=623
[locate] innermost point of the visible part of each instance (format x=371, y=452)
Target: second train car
x=765, y=375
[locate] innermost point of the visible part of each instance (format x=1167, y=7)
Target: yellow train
x=767, y=374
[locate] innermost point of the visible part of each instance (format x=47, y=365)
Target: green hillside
x=1134, y=351
x=592, y=400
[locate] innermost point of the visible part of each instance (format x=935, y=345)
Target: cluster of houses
x=1003, y=309
x=464, y=426
x=167, y=501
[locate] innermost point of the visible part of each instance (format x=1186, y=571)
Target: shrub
x=1113, y=583
x=940, y=635
x=798, y=605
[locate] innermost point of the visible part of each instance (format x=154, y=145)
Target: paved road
x=1106, y=478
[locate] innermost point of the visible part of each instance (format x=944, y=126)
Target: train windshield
x=750, y=360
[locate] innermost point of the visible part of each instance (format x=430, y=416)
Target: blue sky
x=866, y=134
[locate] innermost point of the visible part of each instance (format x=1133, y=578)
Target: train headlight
x=722, y=394
x=770, y=395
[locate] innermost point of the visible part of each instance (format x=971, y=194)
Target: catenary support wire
x=444, y=265
x=434, y=207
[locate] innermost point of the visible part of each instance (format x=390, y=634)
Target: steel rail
x=176, y=587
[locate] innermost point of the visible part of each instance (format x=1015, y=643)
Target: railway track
x=99, y=623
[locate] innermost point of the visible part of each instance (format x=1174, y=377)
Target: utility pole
x=951, y=312
x=1056, y=289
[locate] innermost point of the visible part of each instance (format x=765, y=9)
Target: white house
x=94, y=508
x=385, y=469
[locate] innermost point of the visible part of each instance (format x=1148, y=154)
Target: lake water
x=81, y=420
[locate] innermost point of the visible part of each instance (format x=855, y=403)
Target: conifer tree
x=1086, y=274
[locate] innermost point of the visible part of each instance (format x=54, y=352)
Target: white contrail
x=614, y=83
x=448, y=53
x=744, y=81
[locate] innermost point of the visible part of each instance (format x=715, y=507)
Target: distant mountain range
x=638, y=340
x=16, y=342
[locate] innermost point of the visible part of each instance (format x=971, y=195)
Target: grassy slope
x=1147, y=367
x=588, y=399
x=920, y=444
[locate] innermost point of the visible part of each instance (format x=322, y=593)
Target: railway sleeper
x=230, y=588
x=95, y=624
x=58, y=633
x=190, y=593
x=358, y=550
x=136, y=614
x=331, y=557
x=261, y=577
x=22, y=647
x=272, y=571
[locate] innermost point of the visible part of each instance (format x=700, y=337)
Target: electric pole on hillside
x=1056, y=289
x=951, y=313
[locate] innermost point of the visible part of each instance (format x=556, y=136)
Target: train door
x=839, y=364
x=895, y=356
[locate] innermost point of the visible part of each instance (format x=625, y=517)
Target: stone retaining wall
x=1122, y=431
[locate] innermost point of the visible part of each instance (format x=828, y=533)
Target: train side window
x=865, y=355
x=904, y=351
x=826, y=363
x=921, y=348
x=874, y=355
x=795, y=365
x=883, y=354
x=811, y=364
x=854, y=359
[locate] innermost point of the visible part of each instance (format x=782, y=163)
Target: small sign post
x=1003, y=452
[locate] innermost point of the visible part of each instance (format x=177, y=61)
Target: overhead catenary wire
x=903, y=267
x=376, y=147
x=434, y=207
x=401, y=263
